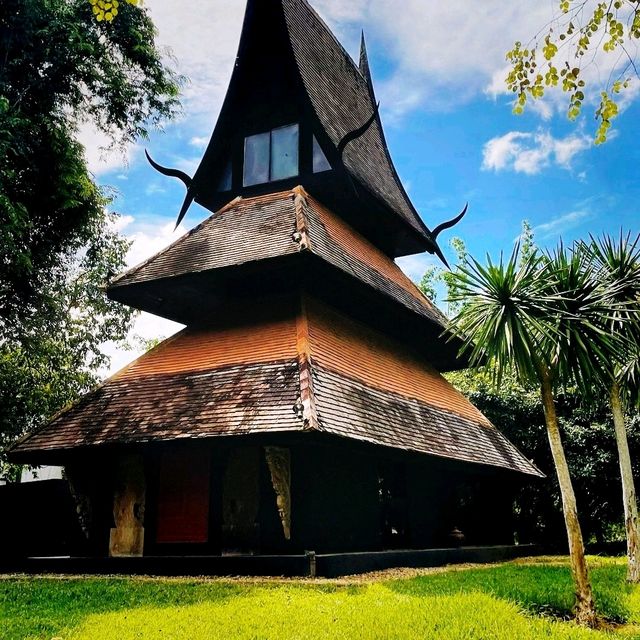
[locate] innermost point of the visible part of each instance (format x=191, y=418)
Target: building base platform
x=310, y=565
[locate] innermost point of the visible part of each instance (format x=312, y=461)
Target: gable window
x=271, y=156
x=320, y=162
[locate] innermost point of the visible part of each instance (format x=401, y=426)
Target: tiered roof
x=291, y=233
x=260, y=355
x=308, y=369
x=274, y=226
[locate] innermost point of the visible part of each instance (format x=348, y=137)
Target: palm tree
x=618, y=265
x=538, y=316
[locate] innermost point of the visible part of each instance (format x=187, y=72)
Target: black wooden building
x=303, y=407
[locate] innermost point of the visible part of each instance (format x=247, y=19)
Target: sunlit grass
x=519, y=600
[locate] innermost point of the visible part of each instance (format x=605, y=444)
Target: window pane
x=256, y=159
x=284, y=152
x=225, y=178
x=320, y=162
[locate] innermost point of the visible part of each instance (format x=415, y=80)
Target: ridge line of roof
x=115, y=282
x=305, y=369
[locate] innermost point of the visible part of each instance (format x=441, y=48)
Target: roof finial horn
x=365, y=69
x=181, y=175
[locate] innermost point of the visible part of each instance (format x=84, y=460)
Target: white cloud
x=341, y=11
x=443, y=53
x=559, y=225
x=530, y=153
x=416, y=266
x=101, y=156
x=154, y=187
x=203, y=41
x=147, y=241
x=122, y=222
x=199, y=142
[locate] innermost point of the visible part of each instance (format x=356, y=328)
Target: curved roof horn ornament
x=356, y=133
x=181, y=175
x=350, y=137
x=446, y=225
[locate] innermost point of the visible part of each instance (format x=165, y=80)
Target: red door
x=183, y=497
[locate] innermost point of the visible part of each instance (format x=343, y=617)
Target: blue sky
x=438, y=70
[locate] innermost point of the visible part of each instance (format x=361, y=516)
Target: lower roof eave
x=532, y=471
x=67, y=455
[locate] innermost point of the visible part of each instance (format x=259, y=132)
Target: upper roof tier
x=276, y=243
x=296, y=112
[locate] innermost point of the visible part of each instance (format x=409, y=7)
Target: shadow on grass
x=538, y=588
x=471, y=603
x=42, y=607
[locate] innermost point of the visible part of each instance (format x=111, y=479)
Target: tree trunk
x=584, y=608
x=628, y=487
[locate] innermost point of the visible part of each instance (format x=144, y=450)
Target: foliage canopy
x=561, y=54
x=60, y=69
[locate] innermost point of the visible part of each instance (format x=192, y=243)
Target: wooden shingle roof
x=300, y=369
x=290, y=69
x=280, y=225
x=343, y=101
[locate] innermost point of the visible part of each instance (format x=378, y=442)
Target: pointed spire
x=364, y=66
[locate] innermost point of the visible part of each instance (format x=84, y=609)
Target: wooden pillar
x=127, y=537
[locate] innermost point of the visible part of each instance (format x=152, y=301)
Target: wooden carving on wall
x=79, y=481
x=279, y=461
x=127, y=538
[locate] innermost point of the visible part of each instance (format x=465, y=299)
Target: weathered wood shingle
x=342, y=101
x=243, y=231
x=262, y=377
x=253, y=229
x=243, y=399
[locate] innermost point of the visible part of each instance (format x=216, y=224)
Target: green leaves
x=606, y=112
x=573, y=34
x=617, y=261
x=60, y=68
x=543, y=314
x=500, y=321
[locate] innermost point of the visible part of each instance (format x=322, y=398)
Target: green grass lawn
x=519, y=600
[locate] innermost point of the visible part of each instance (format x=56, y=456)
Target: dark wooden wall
x=345, y=497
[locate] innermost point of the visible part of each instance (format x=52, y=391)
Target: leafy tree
x=618, y=263
x=57, y=354
x=576, y=35
x=518, y=317
x=590, y=447
x=59, y=68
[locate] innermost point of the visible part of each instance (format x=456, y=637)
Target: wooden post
x=127, y=537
